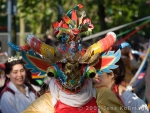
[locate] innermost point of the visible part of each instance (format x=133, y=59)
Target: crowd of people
x=73, y=78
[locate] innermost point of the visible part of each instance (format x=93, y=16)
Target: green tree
x=3, y=16
x=37, y=16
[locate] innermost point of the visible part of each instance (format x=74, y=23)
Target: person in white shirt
x=17, y=94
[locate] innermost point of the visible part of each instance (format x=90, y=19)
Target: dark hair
x=119, y=73
x=9, y=65
x=8, y=69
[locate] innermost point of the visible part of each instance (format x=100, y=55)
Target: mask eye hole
x=50, y=74
x=92, y=74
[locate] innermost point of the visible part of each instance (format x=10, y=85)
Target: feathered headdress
x=69, y=63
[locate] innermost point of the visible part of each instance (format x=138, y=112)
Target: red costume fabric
x=116, y=91
x=90, y=107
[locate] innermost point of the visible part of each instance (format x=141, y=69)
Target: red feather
x=80, y=6
x=66, y=19
x=74, y=16
x=103, y=62
x=55, y=25
x=75, y=31
x=25, y=47
x=64, y=25
x=39, y=63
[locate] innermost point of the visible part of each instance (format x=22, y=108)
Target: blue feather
x=30, y=65
x=106, y=70
x=110, y=53
x=60, y=74
x=79, y=47
x=99, y=72
x=32, y=53
x=14, y=47
x=113, y=66
x=116, y=56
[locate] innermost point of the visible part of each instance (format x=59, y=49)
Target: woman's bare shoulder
x=122, y=89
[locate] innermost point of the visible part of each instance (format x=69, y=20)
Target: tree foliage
x=39, y=15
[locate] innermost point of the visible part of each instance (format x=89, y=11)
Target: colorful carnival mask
x=69, y=64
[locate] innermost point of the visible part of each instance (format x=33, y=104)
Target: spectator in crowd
x=49, y=40
x=113, y=81
x=2, y=77
x=17, y=94
x=139, y=85
x=147, y=79
x=2, y=80
x=3, y=57
x=131, y=65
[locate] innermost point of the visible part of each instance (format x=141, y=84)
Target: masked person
x=70, y=68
